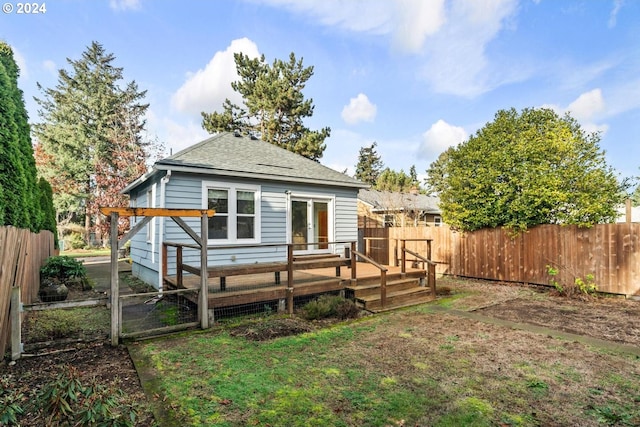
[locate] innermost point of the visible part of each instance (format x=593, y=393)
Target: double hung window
x=237, y=212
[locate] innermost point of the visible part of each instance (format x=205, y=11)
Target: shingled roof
x=233, y=155
x=387, y=201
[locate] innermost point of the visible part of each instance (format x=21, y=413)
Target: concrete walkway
x=99, y=270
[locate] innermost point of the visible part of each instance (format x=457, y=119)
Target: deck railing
x=426, y=261
x=292, y=263
x=383, y=275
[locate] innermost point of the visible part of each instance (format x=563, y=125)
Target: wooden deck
x=261, y=287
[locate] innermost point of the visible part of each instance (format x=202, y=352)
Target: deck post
x=179, y=266
x=403, y=257
x=354, y=261
x=383, y=288
x=204, y=276
x=114, y=298
x=431, y=277
x=289, y=278
x=165, y=269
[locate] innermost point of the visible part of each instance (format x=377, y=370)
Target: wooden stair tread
x=420, y=300
x=415, y=290
x=367, y=286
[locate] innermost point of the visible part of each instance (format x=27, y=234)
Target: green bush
x=580, y=286
x=63, y=267
x=69, y=401
x=10, y=408
x=329, y=306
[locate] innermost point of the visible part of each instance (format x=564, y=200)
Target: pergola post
x=114, y=297
x=203, y=306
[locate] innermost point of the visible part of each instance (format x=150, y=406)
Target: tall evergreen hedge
x=19, y=191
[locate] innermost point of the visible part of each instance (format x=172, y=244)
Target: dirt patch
x=109, y=366
x=266, y=330
x=604, y=318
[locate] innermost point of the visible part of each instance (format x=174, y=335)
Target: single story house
x=262, y=194
x=394, y=209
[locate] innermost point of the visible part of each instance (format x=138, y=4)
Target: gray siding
x=185, y=191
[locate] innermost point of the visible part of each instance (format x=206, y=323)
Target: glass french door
x=310, y=224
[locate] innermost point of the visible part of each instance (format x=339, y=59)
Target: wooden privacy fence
x=22, y=253
x=611, y=252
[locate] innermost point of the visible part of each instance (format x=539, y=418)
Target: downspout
x=163, y=183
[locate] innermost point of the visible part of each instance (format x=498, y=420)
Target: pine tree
x=274, y=106
x=369, y=165
x=88, y=121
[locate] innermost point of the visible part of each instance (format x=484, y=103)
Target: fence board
x=22, y=253
x=611, y=252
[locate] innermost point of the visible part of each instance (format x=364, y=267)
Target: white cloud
x=587, y=105
x=613, y=16
x=417, y=19
x=408, y=22
x=22, y=64
x=450, y=36
x=586, y=109
x=440, y=136
x=206, y=89
x=49, y=65
x=119, y=5
x=456, y=56
x=175, y=135
x=360, y=109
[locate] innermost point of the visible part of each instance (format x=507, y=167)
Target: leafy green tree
x=18, y=187
x=525, y=169
x=369, y=165
x=274, y=106
x=390, y=180
x=88, y=121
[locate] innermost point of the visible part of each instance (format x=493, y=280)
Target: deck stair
x=402, y=290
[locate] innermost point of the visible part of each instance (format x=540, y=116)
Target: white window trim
x=321, y=197
x=437, y=221
x=232, y=189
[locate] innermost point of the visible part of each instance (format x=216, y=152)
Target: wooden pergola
x=148, y=214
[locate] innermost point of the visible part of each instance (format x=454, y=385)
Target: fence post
x=16, y=324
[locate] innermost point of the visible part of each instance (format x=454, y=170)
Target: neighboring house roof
x=232, y=155
x=387, y=201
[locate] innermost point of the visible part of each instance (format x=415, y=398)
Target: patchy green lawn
x=404, y=368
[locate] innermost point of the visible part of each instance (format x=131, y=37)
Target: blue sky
x=415, y=76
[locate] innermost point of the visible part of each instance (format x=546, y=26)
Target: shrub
x=63, y=267
x=10, y=408
x=580, y=286
x=329, y=306
x=69, y=401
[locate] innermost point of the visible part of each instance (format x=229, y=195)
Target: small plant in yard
x=63, y=267
x=10, y=408
x=580, y=286
x=70, y=401
x=330, y=306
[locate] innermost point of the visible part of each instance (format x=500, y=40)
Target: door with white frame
x=311, y=224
